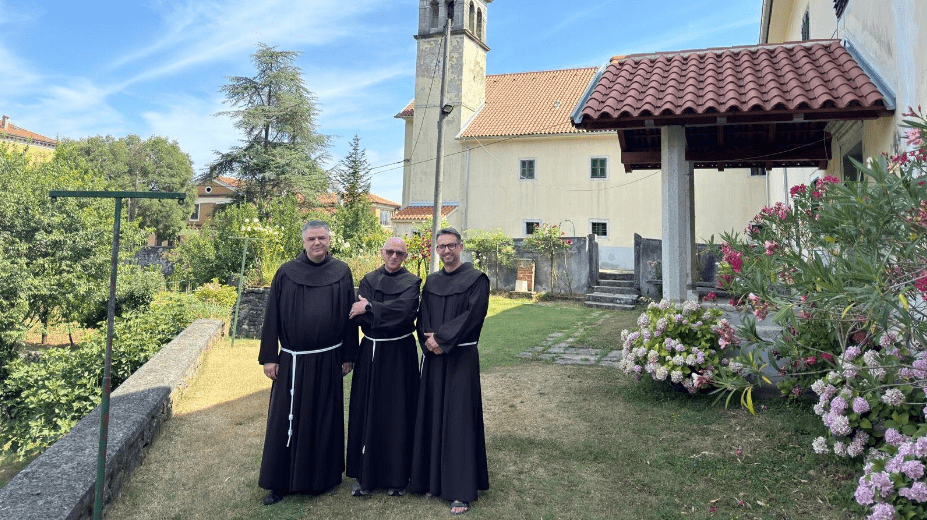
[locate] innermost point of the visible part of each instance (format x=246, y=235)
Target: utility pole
x=443, y=111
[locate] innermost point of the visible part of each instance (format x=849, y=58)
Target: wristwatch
x=367, y=307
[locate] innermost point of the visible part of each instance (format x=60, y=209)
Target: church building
x=513, y=160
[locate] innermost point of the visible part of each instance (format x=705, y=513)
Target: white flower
x=820, y=445
x=660, y=374
x=676, y=376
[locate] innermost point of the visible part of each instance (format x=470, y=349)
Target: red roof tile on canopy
x=412, y=213
x=807, y=77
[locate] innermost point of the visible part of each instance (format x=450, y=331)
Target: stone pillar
x=677, y=181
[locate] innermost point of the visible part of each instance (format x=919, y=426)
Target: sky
x=78, y=69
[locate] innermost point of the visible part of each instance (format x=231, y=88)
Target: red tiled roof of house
x=527, y=103
x=806, y=76
x=408, y=111
x=376, y=199
x=330, y=199
x=530, y=103
x=21, y=134
x=231, y=181
x=410, y=213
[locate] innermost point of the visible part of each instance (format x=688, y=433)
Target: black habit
x=449, y=454
x=384, y=390
x=307, y=310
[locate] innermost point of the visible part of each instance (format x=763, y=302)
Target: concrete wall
x=651, y=249
x=59, y=484
x=152, y=255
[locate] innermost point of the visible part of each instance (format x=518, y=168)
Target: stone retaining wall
x=59, y=484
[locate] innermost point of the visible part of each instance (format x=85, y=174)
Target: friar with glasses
x=449, y=453
x=384, y=389
x=308, y=344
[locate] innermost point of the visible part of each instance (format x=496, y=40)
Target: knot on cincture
x=291, y=417
x=291, y=391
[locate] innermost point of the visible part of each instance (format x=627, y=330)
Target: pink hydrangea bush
x=893, y=484
x=677, y=343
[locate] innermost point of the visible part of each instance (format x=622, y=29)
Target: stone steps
x=611, y=289
x=614, y=290
x=611, y=306
x=628, y=284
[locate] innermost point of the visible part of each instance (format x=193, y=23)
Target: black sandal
x=458, y=503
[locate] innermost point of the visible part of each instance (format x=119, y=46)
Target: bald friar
x=384, y=390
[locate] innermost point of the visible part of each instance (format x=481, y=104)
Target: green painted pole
x=241, y=278
x=110, y=319
x=107, y=378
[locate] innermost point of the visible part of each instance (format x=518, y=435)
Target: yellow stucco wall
x=563, y=191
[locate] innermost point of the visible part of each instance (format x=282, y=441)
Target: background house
x=18, y=137
x=513, y=160
x=222, y=190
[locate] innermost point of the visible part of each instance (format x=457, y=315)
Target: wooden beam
x=771, y=138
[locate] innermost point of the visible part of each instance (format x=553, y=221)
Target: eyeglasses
x=446, y=247
x=393, y=252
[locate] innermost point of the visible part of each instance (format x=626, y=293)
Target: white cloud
x=190, y=121
x=197, y=32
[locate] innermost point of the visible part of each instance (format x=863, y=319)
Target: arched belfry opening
x=471, y=19
x=435, y=14
x=479, y=25
x=450, y=12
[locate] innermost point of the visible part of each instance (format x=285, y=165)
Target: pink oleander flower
x=770, y=247
x=797, y=189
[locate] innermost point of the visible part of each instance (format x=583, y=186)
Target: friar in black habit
x=384, y=389
x=307, y=345
x=449, y=453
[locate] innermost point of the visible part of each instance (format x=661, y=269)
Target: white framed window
x=531, y=225
x=208, y=189
x=599, y=227
x=385, y=217
x=598, y=168
x=196, y=212
x=527, y=169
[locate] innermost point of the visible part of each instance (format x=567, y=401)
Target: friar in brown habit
x=384, y=389
x=307, y=345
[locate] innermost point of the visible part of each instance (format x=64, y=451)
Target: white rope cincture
x=289, y=432
x=375, y=340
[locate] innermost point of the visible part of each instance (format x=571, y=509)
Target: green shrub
x=44, y=399
x=136, y=287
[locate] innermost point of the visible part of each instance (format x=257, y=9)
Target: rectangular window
x=757, y=171
x=526, y=170
x=196, y=212
x=531, y=226
x=599, y=228
x=598, y=168
x=384, y=217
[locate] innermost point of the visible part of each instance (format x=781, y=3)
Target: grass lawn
x=562, y=442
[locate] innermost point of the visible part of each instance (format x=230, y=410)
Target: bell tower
x=466, y=92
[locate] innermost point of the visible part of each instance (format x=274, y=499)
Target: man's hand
x=270, y=370
x=359, y=307
x=346, y=368
x=432, y=345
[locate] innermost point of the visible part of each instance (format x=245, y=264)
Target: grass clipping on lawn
x=562, y=442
